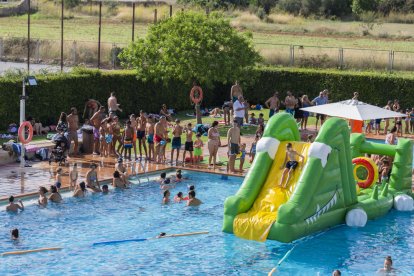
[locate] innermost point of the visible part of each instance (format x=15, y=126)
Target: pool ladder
x=143, y=169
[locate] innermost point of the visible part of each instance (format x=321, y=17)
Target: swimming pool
x=137, y=213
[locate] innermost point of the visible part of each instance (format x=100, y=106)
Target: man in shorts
x=96, y=121
x=239, y=109
x=320, y=100
x=73, y=125
x=290, y=102
x=233, y=141
x=113, y=105
x=176, y=140
x=291, y=163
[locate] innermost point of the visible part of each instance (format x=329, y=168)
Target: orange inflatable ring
x=22, y=130
x=371, y=168
x=200, y=94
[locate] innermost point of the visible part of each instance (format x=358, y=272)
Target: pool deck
x=25, y=182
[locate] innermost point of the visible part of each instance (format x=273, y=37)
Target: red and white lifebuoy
x=200, y=94
x=371, y=168
x=22, y=130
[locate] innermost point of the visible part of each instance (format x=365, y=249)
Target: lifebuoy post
x=29, y=81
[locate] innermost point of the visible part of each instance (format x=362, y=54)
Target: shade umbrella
x=354, y=110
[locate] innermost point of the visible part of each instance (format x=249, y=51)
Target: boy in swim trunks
x=128, y=139
x=176, y=140
x=188, y=142
x=291, y=163
x=242, y=156
x=198, y=148
x=385, y=170
x=142, y=123
x=160, y=131
x=150, y=138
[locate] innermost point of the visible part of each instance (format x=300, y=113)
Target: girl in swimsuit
x=116, y=138
x=213, y=144
x=150, y=138
x=92, y=179
x=253, y=148
x=80, y=190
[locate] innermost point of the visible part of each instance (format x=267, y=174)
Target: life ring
x=22, y=130
x=200, y=94
x=371, y=168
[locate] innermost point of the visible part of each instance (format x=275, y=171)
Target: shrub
x=290, y=6
x=361, y=6
x=335, y=7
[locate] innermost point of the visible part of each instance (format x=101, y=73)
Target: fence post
x=1, y=48
x=390, y=60
x=155, y=16
x=170, y=10
x=113, y=55
x=341, y=58
x=292, y=55
x=37, y=55
x=207, y=10
x=74, y=52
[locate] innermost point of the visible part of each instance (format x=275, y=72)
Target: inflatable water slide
x=323, y=190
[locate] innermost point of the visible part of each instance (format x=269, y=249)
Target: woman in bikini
x=213, y=143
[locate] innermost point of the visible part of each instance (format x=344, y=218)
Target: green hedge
x=56, y=93
x=373, y=87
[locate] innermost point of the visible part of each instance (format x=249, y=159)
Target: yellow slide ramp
x=256, y=223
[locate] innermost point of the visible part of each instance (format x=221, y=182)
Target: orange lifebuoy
x=22, y=130
x=200, y=94
x=371, y=168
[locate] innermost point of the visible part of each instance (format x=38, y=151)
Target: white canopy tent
x=354, y=110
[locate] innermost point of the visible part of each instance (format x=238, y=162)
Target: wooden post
x=61, y=37
x=155, y=16
x=99, y=35
x=170, y=10
x=133, y=21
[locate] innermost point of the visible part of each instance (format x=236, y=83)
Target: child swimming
x=290, y=165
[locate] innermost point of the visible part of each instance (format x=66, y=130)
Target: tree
x=192, y=46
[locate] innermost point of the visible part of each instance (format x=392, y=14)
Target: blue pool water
x=137, y=213
x=383, y=142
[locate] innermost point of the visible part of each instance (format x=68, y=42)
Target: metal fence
x=86, y=53
x=333, y=57
x=48, y=52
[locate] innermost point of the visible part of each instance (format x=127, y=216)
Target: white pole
x=22, y=118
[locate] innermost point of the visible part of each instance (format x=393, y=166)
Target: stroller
x=58, y=153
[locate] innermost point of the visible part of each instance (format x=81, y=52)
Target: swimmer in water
x=387, y=269
x=291, y=163
x=42, y=196
x=163, y=176
x=92, y=179
x=179, y=197
x=105, y=189
x=166, y=184
x=13, y=207
x=193, y=201
x=166, y=198
x=336, y=272
x=14, y=234
x=80, y=190
x=54, y=194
